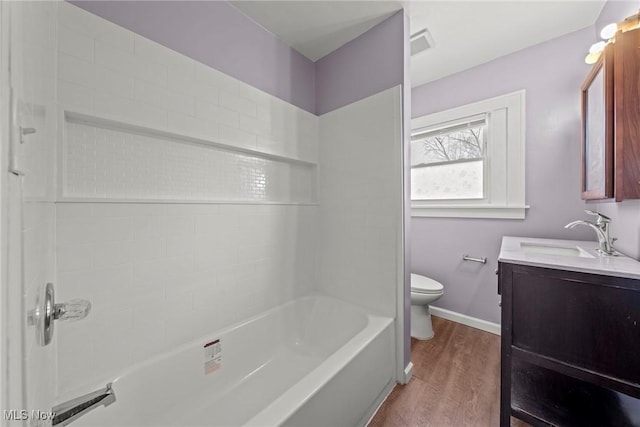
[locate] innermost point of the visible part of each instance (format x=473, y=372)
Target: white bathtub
x=316, y=361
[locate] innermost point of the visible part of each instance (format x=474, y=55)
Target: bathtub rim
x=281, y=409
x=197, y=342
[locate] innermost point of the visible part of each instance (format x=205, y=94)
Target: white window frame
x=504, y=191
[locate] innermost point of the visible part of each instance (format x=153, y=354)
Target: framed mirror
x=597, y=129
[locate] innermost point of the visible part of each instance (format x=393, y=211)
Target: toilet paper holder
x=482, y=260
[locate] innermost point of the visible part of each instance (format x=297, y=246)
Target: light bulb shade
x=609, y=31
x=597, y=47
x=592, y=58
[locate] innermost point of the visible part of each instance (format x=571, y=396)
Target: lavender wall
x=615, y=11
x=217, y=34
x=625, y=215
x=364, y=66
x=551, y=73
x=406, y=129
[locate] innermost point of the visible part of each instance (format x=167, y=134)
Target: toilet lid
x=425, y=285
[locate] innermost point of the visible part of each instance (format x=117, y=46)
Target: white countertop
x=620, y=266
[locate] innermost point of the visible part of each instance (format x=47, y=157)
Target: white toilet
x=424, y=291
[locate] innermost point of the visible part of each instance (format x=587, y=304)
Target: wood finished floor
x=456, y=382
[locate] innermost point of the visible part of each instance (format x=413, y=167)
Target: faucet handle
x=72, y=310
x=602, y=219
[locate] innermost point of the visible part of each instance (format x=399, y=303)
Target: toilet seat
x=425, y=285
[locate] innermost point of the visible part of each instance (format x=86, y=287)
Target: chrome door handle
x=46, y=311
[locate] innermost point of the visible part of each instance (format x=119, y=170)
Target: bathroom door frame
x=5, y=133
x=11, y=350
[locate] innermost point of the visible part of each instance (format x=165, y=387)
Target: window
x=469, y=161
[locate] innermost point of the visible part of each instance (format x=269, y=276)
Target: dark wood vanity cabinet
x=570, y=347
x=611, y=122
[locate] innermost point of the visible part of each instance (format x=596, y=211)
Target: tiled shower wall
x=161, y=274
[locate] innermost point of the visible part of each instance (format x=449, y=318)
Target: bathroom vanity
x=570, y=346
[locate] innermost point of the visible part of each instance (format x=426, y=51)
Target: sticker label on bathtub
x=212, y=357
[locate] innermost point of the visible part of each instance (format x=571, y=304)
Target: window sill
x=470, y=211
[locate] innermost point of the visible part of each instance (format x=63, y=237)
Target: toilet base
x=421, y=327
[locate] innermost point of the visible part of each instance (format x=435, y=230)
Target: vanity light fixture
x=592, y=58
x=608, y=34
x=597, y=47
x=594, y=52
x=609, y=31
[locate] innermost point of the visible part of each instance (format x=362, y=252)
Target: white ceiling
x=465, y=33
x=470, y=33
x=316, y=28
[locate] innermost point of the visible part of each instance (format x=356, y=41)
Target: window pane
x=467, y=143
x=462, y=180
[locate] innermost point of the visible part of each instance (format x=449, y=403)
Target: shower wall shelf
x=107, y=160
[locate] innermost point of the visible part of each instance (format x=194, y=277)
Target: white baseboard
x=408, y=373
x=483, y=325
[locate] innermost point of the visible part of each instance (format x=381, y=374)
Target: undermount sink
x=537, y=248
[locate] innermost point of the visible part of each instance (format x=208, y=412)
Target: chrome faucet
x=73, y=409
x=601, y=227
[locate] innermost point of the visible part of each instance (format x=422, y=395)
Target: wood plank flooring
x=456, y=381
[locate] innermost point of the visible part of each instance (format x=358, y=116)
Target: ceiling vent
x=421, y=41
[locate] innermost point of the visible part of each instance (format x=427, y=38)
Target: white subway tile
x=212, y=77
x=236, y=137
x=206, y=298
x=178, y=267
x=148, y=339
x=74, y=284
x=150, y=271
x=192, y=126
x=267, y=145
x=75, y=44
x=253, y=125
x=147, y=249
x=113, y=229
x=114, y=59
x=209, y=94
x=113, y=82
x=181, y=101
x=183, y=209
x=151, y=94
x=180, y=246
x=153, y=73
x=251, y=93
x=109, y=254
x=149, y=227
x=206, y=225
x=74, y=257
x=263, y=113
x=129, y=111
x=236, y=103
x=128, y=63
x=112, y=353
x=185, y=83
x=211, y=111
x=155, y=52
x=75, y=97
x=75, y=232
x=179, y=225
x=105, y=210
x=75, y=359
x=140, y=293
x=74, y=70
x=66, y=212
